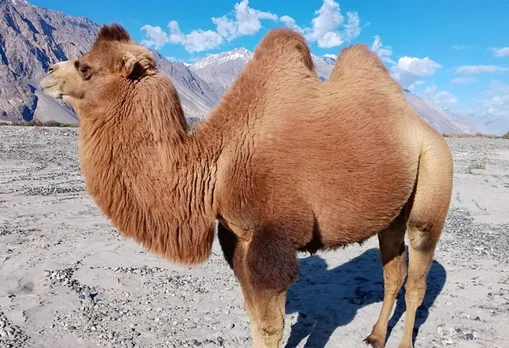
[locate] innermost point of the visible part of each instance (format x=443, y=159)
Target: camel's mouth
x=50, y=88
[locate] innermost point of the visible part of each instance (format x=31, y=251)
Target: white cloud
x=384, y=52
x=409, y=69
x=156, y=37
x=500, y=52
x=328, y=28
x=479, y=69
x=324, y=25
x=290, y=23
x=352, y=26
x=246, y=22
x=442, y=98
x=463, y=80
x=196, y=41
x=418, y=66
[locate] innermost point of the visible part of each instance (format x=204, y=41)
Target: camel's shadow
x=327, y=299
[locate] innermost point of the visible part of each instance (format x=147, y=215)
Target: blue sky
x=453, y=52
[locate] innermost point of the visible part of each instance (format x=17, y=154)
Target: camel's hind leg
x=392, y=252
x=425, y=223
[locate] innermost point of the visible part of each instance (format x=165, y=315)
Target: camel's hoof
x=374, y=341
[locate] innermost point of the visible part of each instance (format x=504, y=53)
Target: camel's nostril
x=51, y=69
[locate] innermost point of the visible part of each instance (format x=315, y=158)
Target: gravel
x=11, y=336
x=70, y=280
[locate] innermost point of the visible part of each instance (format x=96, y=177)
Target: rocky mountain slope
x=196, y=95
x=32, y=38
x=438, y=118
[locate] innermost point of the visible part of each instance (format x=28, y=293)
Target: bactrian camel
x=284, y=163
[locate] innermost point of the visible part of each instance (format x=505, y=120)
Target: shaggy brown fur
x=283, y=162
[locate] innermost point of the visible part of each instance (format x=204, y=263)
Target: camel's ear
x=134, y=67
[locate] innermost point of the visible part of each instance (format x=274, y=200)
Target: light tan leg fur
x=267, y=313
x=392, y=252
x=415, y=288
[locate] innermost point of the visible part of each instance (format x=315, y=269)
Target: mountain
x=221, y=69
x=436, y=117
x=32, y=38
x=324, y=65
x=196, y=95
x=489, y=123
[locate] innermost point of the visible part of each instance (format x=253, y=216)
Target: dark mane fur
x=113, y=32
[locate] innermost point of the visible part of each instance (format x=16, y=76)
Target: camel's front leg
x=265, y=266
x=266, y=310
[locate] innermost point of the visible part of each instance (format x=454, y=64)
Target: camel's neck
x=152, y=180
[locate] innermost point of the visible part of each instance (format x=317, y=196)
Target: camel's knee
x=423, y=237
x=268, y=330
x=268, y=317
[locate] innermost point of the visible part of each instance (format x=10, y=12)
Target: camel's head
x=113, y=57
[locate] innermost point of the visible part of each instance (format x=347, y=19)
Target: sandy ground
x=69, y=280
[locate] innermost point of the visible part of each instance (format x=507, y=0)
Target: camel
x=283, y=164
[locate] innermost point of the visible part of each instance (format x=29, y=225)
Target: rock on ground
x=68, y=279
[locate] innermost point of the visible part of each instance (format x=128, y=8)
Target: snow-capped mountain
x=324, y=65
x=197, y=96
x=223, y=57
x=220, y=70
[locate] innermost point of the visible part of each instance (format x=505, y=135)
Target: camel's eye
x=83, y=69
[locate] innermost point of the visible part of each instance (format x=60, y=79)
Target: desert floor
x=68, y=279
